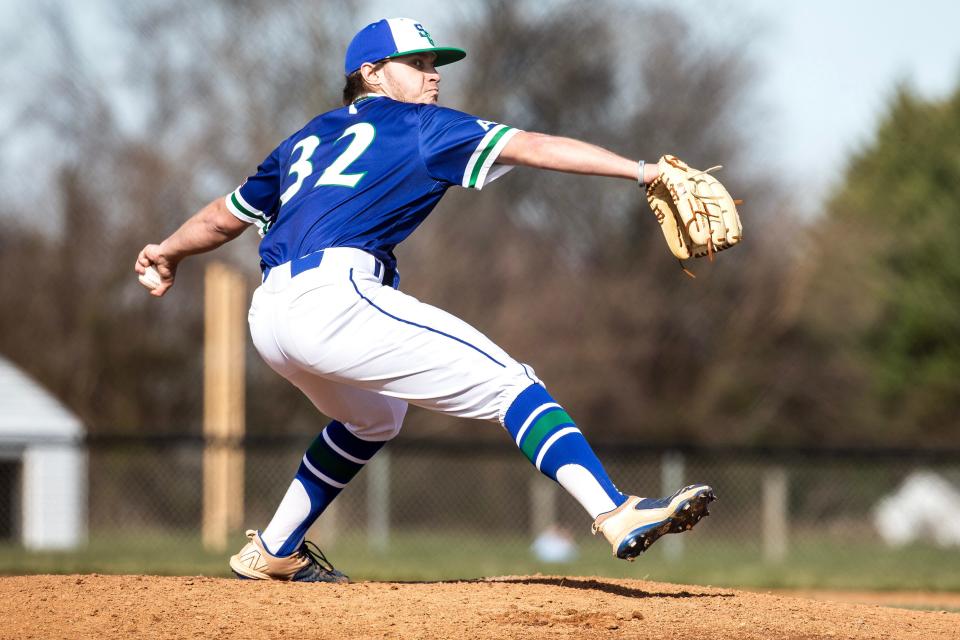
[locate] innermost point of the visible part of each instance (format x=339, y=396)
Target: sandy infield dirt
x=95, y=606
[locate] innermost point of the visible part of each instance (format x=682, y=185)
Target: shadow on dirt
x=614, y=589
x=587, y=584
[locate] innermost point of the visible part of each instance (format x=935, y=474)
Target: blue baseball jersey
x=365, y=176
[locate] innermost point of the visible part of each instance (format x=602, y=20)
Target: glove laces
x=695, y=192
x=707, y=216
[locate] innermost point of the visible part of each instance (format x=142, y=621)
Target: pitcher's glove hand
x=697, y=215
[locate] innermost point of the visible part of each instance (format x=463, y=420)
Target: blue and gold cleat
x=639, y=522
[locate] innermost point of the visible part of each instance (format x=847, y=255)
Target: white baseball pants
x=361, y=350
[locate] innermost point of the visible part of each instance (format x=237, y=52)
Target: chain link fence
x=432, y=509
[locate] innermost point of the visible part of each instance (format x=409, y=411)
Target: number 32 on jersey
x=363, y=134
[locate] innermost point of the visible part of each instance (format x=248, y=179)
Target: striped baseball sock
x=332, y=460
x=549, y=438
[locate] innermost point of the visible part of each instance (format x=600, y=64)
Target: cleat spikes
x=640, y=522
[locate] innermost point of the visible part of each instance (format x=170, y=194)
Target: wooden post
x=223, y=404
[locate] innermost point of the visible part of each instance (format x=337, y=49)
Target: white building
x=43, y=466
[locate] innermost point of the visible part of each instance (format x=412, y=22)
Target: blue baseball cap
x=393, y=37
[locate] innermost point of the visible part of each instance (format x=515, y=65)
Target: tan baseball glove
x=697, y=215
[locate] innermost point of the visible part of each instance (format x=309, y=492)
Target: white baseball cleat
x=306, y=564
x=639, y=522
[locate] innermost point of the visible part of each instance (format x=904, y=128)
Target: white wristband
x=642, y=164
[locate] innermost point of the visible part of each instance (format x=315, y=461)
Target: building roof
x=28, y=411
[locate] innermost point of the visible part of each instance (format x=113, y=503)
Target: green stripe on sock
x=483, y=156
x=539, y=430
x=329, y=462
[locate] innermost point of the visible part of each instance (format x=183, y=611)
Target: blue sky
x=831, y=67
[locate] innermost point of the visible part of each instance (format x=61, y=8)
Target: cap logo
x=425, y=34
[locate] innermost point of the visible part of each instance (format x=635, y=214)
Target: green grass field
x=428, y=556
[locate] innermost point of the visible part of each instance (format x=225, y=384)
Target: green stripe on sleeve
x=242, y=209
x=539, y=430
x=478, y=167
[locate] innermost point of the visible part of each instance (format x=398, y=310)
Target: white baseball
x=150, y=278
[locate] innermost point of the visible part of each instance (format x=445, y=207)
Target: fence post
x=543, y=504
x=671, y=478
x=378, y=502
x=328, y=525
x=775, y=514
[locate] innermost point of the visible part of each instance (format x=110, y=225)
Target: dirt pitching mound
x=96, y=606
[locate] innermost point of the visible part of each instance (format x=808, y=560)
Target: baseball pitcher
x=331, y=203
